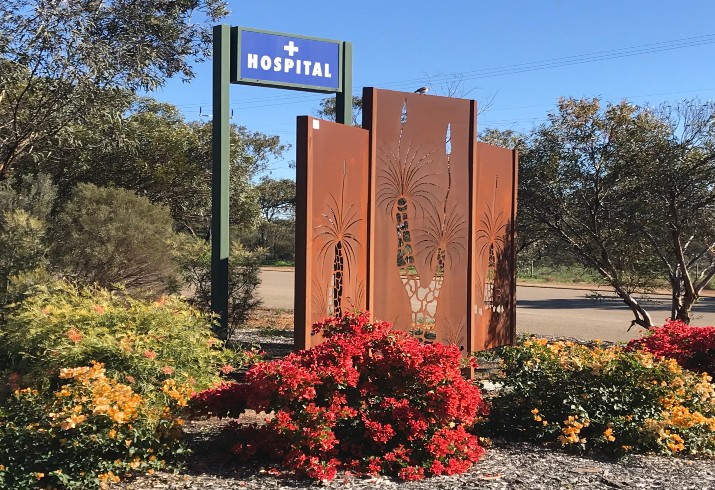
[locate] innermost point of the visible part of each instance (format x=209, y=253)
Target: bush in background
x=111, y=237
x=141, y=342
x=368, y=399
x=89, y=432
x=692, y=347
x=22, y=245
x=243, y=280
x=608, y=399
x=23, y=213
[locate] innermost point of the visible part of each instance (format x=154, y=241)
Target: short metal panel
x=494, y=253
x=331, y=229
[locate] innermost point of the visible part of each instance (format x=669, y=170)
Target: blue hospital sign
x=268, y=58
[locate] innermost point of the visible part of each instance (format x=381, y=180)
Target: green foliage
x=151, y=149
x=21, y=240
x=276, y=198
x=142, y=343
x=243, y=279
x=87, y=433
x=22, y=229
x=64, y=63
x=111, y=236
x=587, y=180
x=560, y=273
x=276, y=237
x=35, y=195
x=327, y=109
x=603, y=399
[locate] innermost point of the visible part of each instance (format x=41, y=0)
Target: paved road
x=540, y=310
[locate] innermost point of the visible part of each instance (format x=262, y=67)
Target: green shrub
x=22, y=245
x=111, y=236
x=141, y=342
x=606, y=399
x=90, y=431
x=23, y=212
x=243, y=279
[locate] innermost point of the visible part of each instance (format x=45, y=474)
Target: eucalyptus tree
x=64, y=62
x=630, y=191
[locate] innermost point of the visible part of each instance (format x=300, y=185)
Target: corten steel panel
x=493, y=249
x=331, y=225
x=420, y=206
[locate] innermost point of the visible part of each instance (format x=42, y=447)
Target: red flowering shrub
x=692, y=347
x=369, y=400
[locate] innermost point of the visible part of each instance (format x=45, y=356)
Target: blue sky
x=517, y=56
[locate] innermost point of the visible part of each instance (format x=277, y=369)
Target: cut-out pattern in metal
x=414, y=188
x=331, y=234
x=439, y=208
x=494, y=247
x=338, y=233
x=490, y=238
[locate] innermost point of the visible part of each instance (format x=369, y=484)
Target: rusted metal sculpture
x=440, y=260
x=420, y=212
x=331, y=229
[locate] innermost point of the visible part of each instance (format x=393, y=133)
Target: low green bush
x=22, y=245
x=141, y=342
x=243, y=279
x=110, y=237
x=90, y=431
x=604, y=399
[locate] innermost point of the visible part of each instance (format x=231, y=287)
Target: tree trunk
x=642, y=318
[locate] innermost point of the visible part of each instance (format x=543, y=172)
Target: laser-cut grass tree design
x=338, y=252
x=405, y=186
x=490, y=236
x=442, y=241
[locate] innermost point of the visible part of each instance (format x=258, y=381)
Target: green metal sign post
x=271, y=59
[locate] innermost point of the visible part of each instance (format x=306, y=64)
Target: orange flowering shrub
x=609, y=399
x=89, y=432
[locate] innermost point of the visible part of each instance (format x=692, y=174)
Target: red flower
x=369, y=400
x=691, y=347
x=74, y=335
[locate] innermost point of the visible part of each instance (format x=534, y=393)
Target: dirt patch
x=270, y=319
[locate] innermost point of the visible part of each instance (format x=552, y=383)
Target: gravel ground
x=505, y=465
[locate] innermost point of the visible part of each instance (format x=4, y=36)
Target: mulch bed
x=506, y=465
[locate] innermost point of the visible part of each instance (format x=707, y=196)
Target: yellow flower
x=535, y=411
x=39, y=476
x=72, y=422
x=608, y=435
x=676, y=443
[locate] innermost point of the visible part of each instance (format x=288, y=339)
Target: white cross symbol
x=291, y=48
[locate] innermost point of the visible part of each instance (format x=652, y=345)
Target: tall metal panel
x=332, y=222
x=420, y=203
